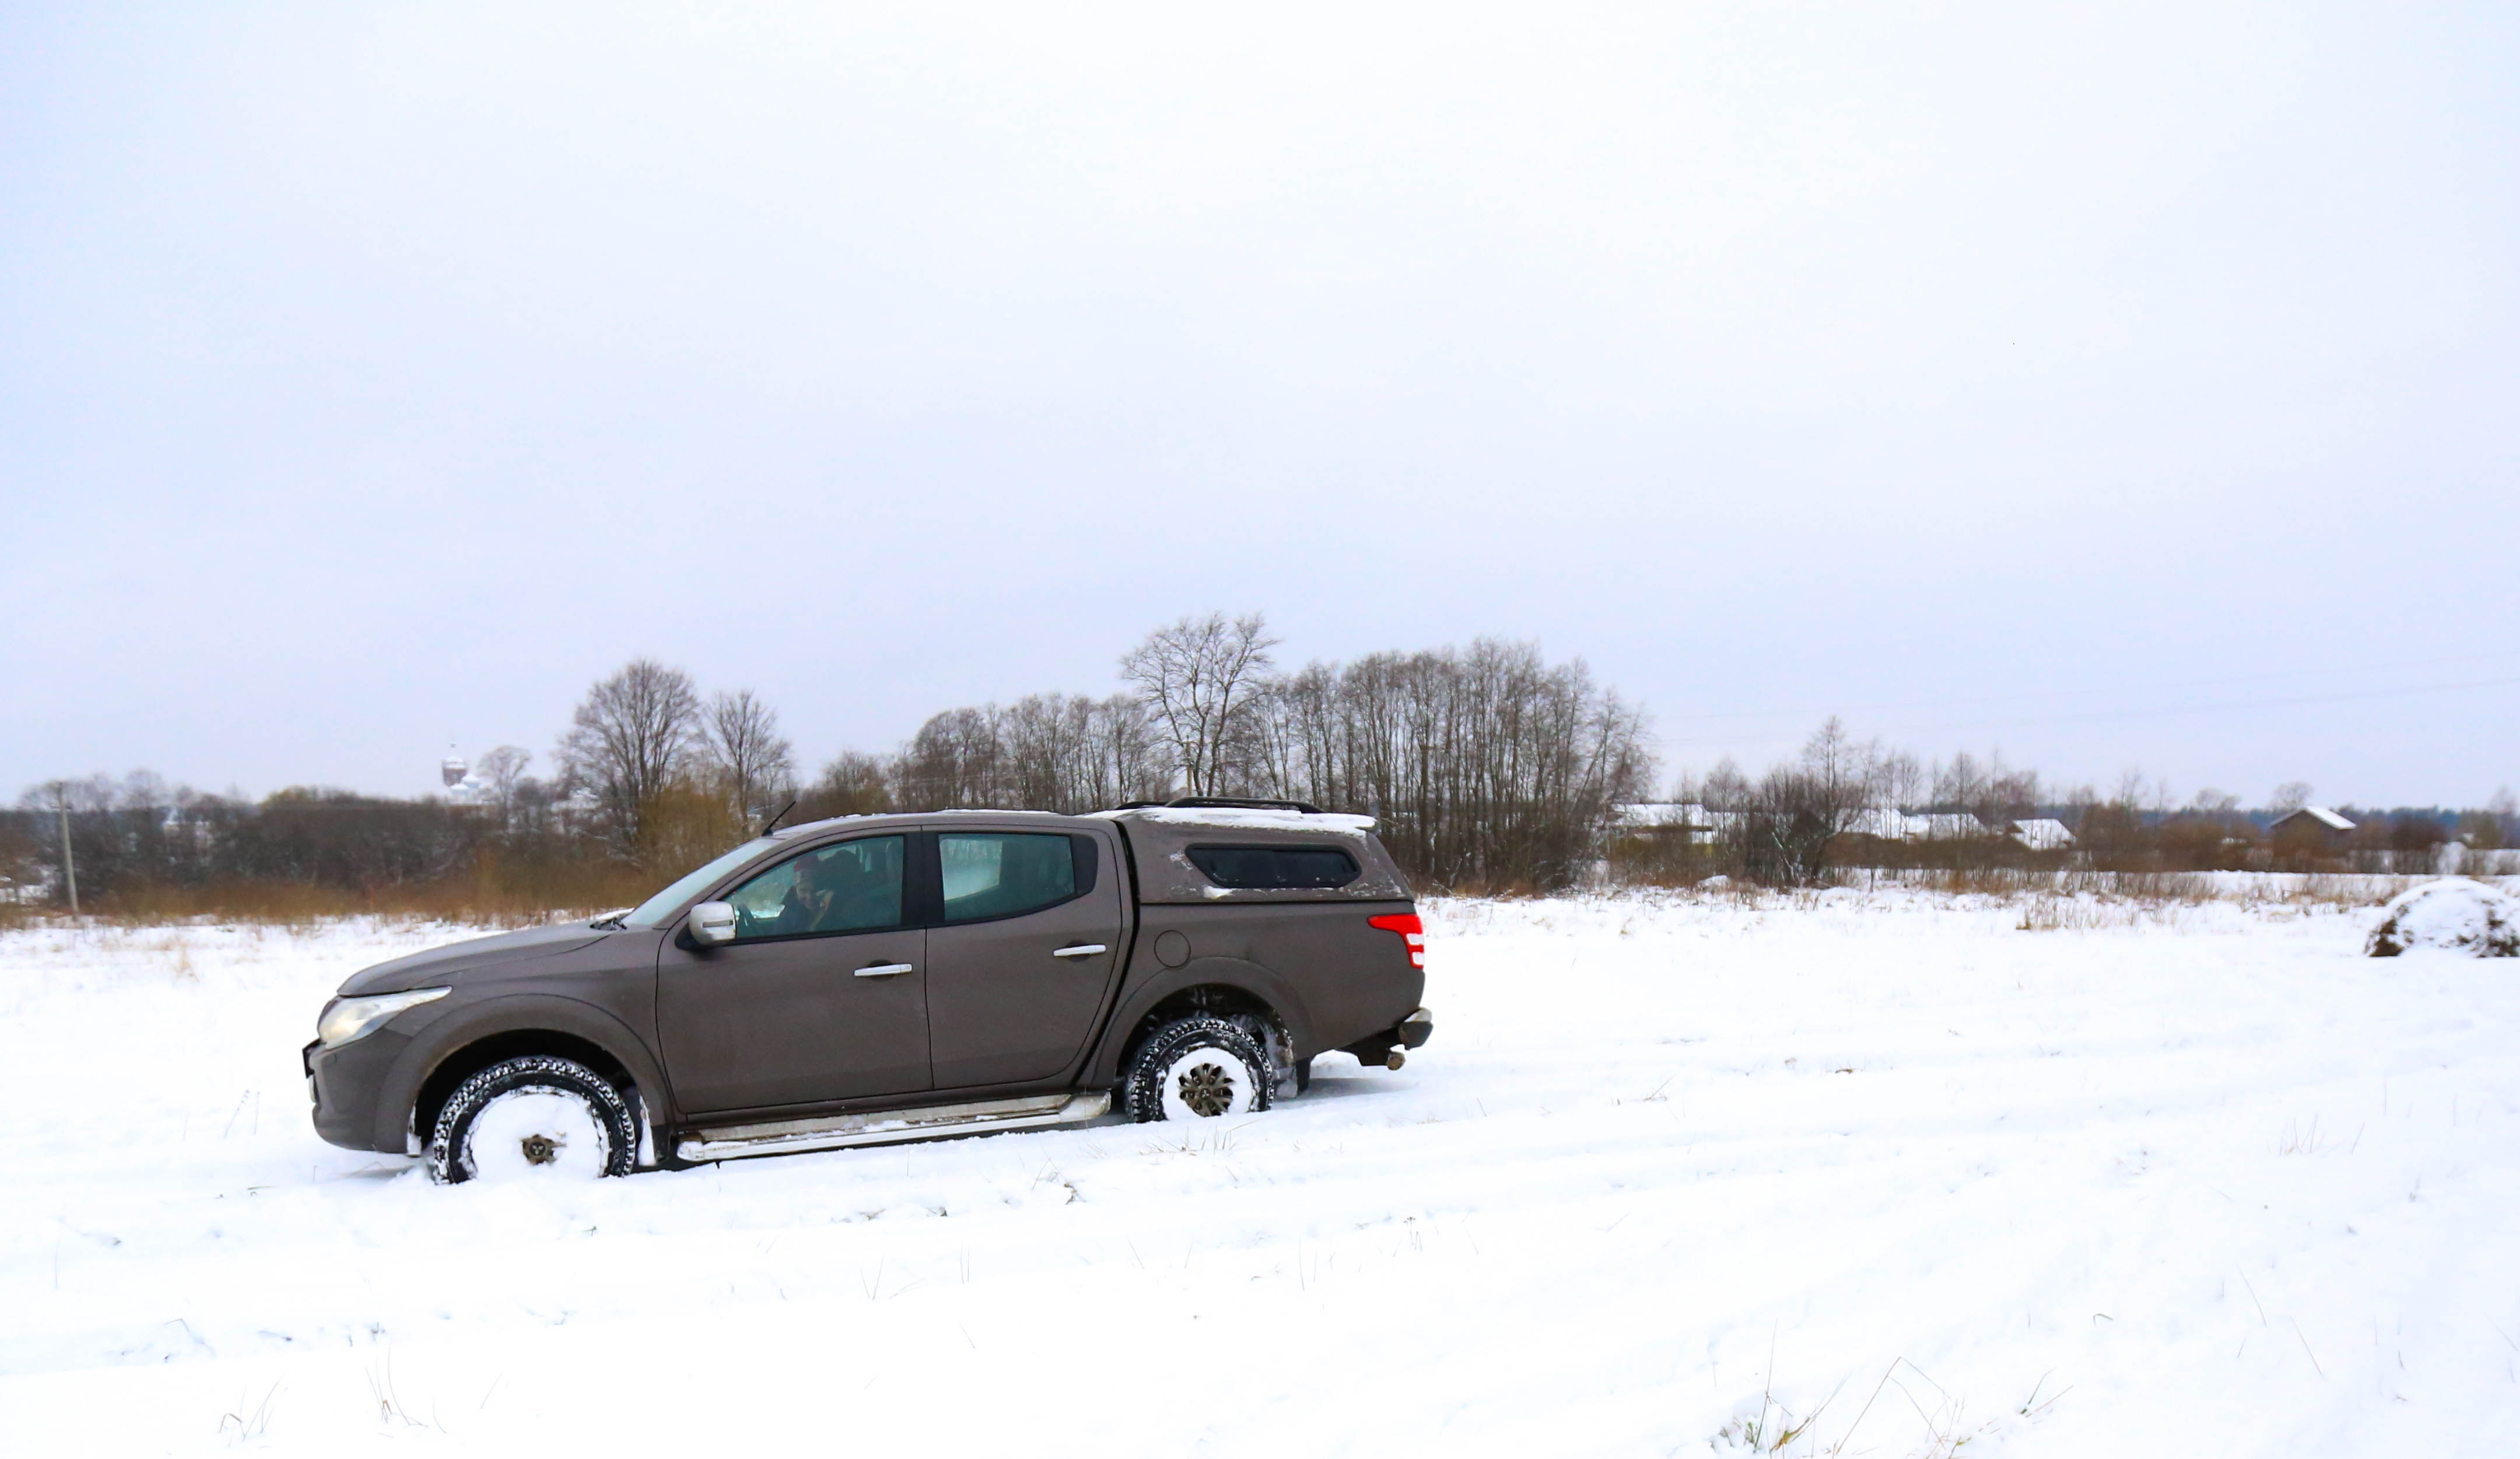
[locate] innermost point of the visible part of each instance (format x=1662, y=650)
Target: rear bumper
x=1409, y=1033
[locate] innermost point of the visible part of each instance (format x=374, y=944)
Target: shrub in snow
x=2463, y=915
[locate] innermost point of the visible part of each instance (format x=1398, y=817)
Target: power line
x=2261, y=704
x=2171, y=709
x=1994, y=699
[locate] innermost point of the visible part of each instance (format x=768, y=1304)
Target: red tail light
x=1412, y=932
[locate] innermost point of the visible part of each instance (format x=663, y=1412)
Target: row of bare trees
x=1842, y=802
x=652, y=777
x=1486, y=766
x=1046, y=751
x=643, y=742
x=142, y=837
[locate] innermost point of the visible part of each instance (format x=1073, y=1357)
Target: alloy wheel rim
x=1206, y=1082
x=1207, y=1089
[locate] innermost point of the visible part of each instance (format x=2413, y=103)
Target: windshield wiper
x=611, y=922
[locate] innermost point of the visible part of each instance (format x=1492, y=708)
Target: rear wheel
x=538, y=1117
x=1198, y=1068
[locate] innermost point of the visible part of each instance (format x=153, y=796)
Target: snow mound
x=2455, y=912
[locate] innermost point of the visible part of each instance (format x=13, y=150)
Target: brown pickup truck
x=881, y=979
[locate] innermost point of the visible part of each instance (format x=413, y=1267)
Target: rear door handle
x=886, y=970
x=1081, y=950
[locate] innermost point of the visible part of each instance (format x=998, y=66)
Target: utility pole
x=70, y=867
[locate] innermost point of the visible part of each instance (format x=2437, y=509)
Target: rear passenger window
x=1276, y=867
x=1004, y=873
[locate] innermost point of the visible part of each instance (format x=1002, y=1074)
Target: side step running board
x=891, y=1127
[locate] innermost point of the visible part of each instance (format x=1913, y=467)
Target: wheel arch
x=1208, y=985
x=454, y=1049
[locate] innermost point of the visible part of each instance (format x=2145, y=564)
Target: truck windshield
x=654, y=910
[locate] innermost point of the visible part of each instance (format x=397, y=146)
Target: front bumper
x=345, y=1084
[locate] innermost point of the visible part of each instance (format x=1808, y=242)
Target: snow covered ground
x=2195, y=1181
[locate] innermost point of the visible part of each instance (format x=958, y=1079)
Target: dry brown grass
x=482, y=899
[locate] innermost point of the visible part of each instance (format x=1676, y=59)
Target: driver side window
x=853, y=886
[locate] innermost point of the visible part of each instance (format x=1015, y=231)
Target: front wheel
x=1198, y=1067
x=536, y=1117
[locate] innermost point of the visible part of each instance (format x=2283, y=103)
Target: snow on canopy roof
x=1244, y=818
x=2321, y=814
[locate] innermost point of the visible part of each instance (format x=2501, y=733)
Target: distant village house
x=2311, y=826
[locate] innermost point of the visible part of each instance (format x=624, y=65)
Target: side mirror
x=713, y=924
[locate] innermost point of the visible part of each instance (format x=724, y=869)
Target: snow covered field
x=2197, y=1181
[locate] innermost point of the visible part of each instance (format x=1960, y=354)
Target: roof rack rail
x=1239, y=802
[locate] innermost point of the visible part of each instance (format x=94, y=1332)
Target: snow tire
x=1200, y=1067
x=528, y=1093
x=1273, y=1041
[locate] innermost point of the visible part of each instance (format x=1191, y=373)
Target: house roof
x=1664, y=815
x=1944, y=826
x=2319, y=813
x=1884, y=821
x=2043, y=834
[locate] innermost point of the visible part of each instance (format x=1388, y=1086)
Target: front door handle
x=1081, y=950
x=886, y=970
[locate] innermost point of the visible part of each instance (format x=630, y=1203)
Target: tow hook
x=1395, y=1059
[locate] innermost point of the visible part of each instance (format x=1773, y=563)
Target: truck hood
x=440, y=965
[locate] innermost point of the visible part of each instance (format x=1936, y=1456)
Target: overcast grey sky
x=2118, y=386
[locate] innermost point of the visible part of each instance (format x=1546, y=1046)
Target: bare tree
x=1727, y=788
x=956, y=761
x=1196, y=677
x=2009, y=795
x=755, y=763
x=1489, y=766
x=1960, y=785
x=2289, y=797
x=1129, y=760
x=1797, y=810
x=1045, y=752
x=503, y=770
x=1845, y=776
x=853, y=783
x=631, y=738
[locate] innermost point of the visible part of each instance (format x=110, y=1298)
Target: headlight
x=357, y=1018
